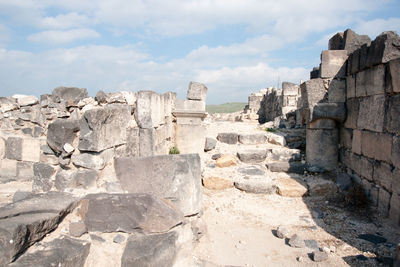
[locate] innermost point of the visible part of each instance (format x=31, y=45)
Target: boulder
x=26, y=100
x=228, y=138
x=60, y=132
x=210, y=144
x=59, y=252
x=71, y=95
x=384, y=48
x=353, y=41
x=196, y=91
x=252, y=156
x=276, y=138
x=173, y=177
x=103, y=128
x=92, y=160
x=42, y=174
x=282, y=232
x=296, y=241
x=8, y=104
x=319, y=256
x=217, y=183
x=288, y=187
x=129, y=213
x=27, y=221
x=226, y=161
x=151, y=250
x=252, y=139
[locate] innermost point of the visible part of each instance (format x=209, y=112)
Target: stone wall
x=69, y=141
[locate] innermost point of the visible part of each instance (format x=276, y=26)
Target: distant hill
x=226, y=108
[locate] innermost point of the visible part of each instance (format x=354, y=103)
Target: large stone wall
x=69, y=141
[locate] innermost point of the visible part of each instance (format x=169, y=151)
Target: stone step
x=289, y=187
x=256, y=186
x=252, y=155
x=288, y=167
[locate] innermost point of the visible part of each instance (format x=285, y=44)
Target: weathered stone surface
x=252, y=156
x=92, y=160
x=64, y=179
x=31, y=149
x=285, y=154
x=256, y=186
x=85, y=178
x=26, y=100
x=210, y=144
x=70, y=94
x=353, y=41
x=357, y=142
x=102, y=128
x=289, y=167
x=376, y=146
x=252, y=139
x=322, y=142
x=20, y=195
x=282, y=232
x=345, y=137
x=314, y=74
x=393, y=114
x=8, y=104
x=59, y=252
x=394, y=212
x=350, y=86
x=337, y=91
x=152, y=250
x=190, y=138
x=296, y=241
x=228, y=138
x=334, y=111
x=14, y=148
x=371, y=113
x=312, y=92
x=396, y=151
x=333, y=63
x=190, y=105
x=393, y=76
x=343, y=181
x=383, y=202
x=321, y=187
x=173, y=177
x=319, y=256
x=147, y=142
x=77, y=229
x=130, y=213
x=384, y=48
x=60, y=132
x=276, y=138
x=290, y=89
x=252, y=171
x=226, y=161
x=119, y=239
x=2, y=148
x=336, y=42
x=149, y=110
x=322, y=124
x=362, y=165
x=8, y=170
x=371, y=81
x=217, y=183
x=42, y=174
x=288, y=187
x=196, y=91
x=383, y=175
x=29, y=220
x=352, y=107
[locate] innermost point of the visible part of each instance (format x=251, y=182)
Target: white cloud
x=61, y=37
x=4, y=35
x=375, y=27
x=65, y=21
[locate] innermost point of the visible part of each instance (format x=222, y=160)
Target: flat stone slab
x=59, y=252
x=217, y=183
x=288, y=187
x=129, y=213
x=321, y=187
x=289, y=167
x=26, y=221
x=151, y=250
x=252, y=139
x=252, y=156
x=173, y=177
x=228, y=138
x=286, y=154
x=256, y=186
x=252, y=171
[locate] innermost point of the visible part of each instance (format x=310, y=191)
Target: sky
x=234, y=47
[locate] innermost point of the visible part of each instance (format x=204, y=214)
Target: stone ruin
x=104, y=161
x=350, y=111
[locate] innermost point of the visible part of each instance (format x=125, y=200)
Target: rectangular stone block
x=351, y=86
x=146, y=142
x=169, y=103
x=367, y=186
x=360, y=83
x=352, y=106
x=393, y=76
x=14, y=148
x=384, y=201
x=8, y=169
x=371, y=113
x=196, y=91
x=190, y=138
x=354, y=62
x=333, y=63
x=374, y=195
x=396, y=151
x=374, y=80
x=363, y=56
x=337, y=91
x=383, y=175
x=394, y=212
x=31, y=150
x=346, y=137
x=24, y=170
x=384, y=48
x=362, y=166
x=290, y=89
x=132, y=142
x=149, y=110
x=356, y=143
x=313, y=92
x=396, y=181
x=377, y=146
x=392, y=124
x=190, y=105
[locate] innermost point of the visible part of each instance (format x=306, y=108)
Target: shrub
x=174, y=150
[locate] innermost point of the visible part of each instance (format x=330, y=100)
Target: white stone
x=130, y=97
x=68, y=148
x=26, y=100
x=31, y=149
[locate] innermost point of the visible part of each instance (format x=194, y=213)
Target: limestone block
x=392, y=123
x=190, y=138
x=346, y=137
x=32, y=114
x=60, y=132
x=169, y=103
x=337, y=91
x=333, y=111
x=351, y=86
x=383, y=175
x=8, y=104
x=288, y=187
x=353, y=65
x=31, y=149
x=173, y=177
x=396, y=179
x=93, y=160
x=377, y=145
x=210, y=144
x=226, y=161
x=383, y=202
x=333, y=63
x=371, y=113
x=149, y=112
x=356, y=144
x=393, y=76
x=196, y=91
x=228, y=138
x=352, y=107
x=314, y=74
x=362, y=166
x=371, y=81
x=252, y=155
x=103, y=128
x=42, y=174
x=2, y=148
x=8, y=169
x=132, y=142
x=256, y=186
x=252, y=139
x=147, y=142
x=276, y=138
x=217, y=183
x=336, y=42
x=192, y=105
x=290, y=89
x=353, y=41
x=319, y=186
x=322, y=142
x=364, y=51
x=26, y=100
x=289, y=167
x=70, y=94
x=322, y=124
x=312, y=92
x=396, y=152
x=394, y=212
x=24, y=171
x=384, y=48
x=14, y=148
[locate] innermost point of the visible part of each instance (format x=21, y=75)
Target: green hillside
x=226, y=108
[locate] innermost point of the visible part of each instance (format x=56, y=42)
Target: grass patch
x=174, y=150
x=271, y=130
x=226, y=108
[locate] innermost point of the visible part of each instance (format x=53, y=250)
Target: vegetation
x=226, y=108
x=174, y=150
x=272, y=130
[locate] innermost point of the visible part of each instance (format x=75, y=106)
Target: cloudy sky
x=235, y=47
